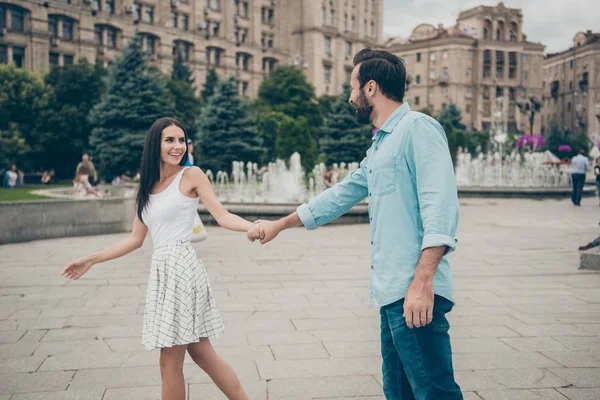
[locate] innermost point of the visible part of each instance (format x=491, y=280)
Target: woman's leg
x=219, y=371
x=171, y=371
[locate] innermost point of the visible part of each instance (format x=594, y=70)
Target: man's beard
x=363, y=109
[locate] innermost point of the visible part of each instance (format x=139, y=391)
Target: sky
x=553, y=23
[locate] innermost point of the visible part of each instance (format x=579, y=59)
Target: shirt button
x=371, y=267
x=371, y=243
x=370, y=171
x=376, y=148
x=370, y=194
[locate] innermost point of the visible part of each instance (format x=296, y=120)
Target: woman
x=81, y=184
x=180, y=314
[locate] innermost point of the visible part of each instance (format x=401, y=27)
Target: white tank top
x=169, y=215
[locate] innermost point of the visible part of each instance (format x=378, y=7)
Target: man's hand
x=265, y=231
x=418, y=304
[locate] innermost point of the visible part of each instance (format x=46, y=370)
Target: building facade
x=244, y=37
x=484, y=56
x=572, y=87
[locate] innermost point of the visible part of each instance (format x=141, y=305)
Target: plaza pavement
x=298, y=325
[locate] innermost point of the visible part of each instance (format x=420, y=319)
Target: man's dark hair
x=384, y=68
x=582, y=152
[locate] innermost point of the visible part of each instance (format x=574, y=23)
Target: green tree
x=269, y=127
x=212, y=79
x=557, y=138
x=12, y=146
x=294, y=136
x=65, y=128
x=227, y=131
x=23, y=97
x=342, y=138
x=135, y=97
x=286, y=90
x=187, y=104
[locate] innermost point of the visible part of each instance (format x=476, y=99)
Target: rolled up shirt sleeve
x=429, y=159
x=336, y=201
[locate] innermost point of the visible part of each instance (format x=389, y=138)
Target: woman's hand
x=77, y=269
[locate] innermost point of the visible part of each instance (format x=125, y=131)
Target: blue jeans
x=417, y=363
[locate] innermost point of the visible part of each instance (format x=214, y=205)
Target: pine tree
x=187, y=104
x=294, y=136
x=227, y=132
x=212, y=79
x=343, y=139
x=65, y=129
x=135, y=97
x=288, y=91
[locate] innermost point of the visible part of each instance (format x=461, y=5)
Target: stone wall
x=34, y=220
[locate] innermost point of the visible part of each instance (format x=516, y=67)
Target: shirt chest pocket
x=382, y=177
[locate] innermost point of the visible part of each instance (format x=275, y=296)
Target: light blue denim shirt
x=579, y=164
x=413, y=204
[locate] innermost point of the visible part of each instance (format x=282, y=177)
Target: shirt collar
x=393, y=120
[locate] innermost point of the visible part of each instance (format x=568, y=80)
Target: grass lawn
x=16, y=194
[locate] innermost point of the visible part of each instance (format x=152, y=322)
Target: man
x=579, y=165
x=190, y=159
x=408, y=177
x=86, y=162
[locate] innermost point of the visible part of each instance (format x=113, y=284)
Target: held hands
x=265, y=231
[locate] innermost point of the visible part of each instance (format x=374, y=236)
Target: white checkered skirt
x=180, y=307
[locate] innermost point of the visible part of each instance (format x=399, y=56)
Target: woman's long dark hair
x=150, y=167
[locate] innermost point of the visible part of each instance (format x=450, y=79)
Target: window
x=67, y=59
x=245, y=89
x=366, y=5
x=373, y=29
x=137, y=12
x=150, y=45
x=417, y=100
x=241, y=35
x=2, y=17
x=445, y=73
x=571, y=64
x=323, y=15
x=98, y=36
x=486, y=92
x=418, y=79
x=331, y=16
x=348, y=75
x=52, y=26
x=445, y=91
x=524, y=59
x=468, y=108
x=352, y=24
x=512, y=94
x=53, y=59
x=524, y=75
x=432, y=56
x=499, y=92
x=173, y=19
x=3, y=55
x=244, y=13
x=469, y=92
x=328, y=45
x=216, y=28
x=213, y=4
x=569, y=106
x=346, y=22
x=271, y=16
x=17, y=20
x=19, y=56
x=185, y=22
x=96, y=5
x=110, y=6
x=348, y=49
x=327, y=76
x=418, y=57
x=111, y=38
x=67, y=29
x=445, y=55
x=432, y=74
x=468, y=73
x=149, y=14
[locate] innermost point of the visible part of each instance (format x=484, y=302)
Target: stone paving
x=298, y=326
